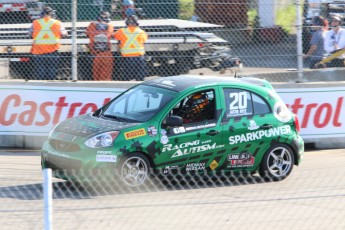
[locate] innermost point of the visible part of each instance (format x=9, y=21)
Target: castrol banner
x=35, y=110
x=321, y=111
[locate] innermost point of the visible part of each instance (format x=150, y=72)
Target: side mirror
x=174, y=121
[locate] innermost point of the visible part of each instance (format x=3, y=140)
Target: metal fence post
x=299, y=42
x=48, y=199
x=74, y=41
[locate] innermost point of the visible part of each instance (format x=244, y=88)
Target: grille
x=64, y=146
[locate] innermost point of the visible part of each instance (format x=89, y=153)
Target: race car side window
x=260, y=105
x=197, y=107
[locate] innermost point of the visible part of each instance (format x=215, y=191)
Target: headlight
x=102, y=140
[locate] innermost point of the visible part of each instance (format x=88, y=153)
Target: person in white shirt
x=335, y=40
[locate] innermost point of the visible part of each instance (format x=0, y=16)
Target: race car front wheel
x=277, y=163
x=135, y=170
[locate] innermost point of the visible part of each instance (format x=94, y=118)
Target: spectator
x=99, y=33
x=46, y=33
x=128, y=8
x=316, y=51
x=132, y=40
x=335, y=40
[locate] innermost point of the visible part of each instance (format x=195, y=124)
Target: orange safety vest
x=131, y=42
x=46, y=34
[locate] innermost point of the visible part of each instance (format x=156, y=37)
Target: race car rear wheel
x=277, y=163
x=134, y=170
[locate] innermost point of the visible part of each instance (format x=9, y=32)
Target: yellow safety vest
x=45, y=35
x=132, y=47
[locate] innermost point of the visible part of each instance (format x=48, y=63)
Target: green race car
x=180, y=124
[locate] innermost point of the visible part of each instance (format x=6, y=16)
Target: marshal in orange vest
x=46, y=33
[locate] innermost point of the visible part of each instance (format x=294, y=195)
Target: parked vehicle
x=19, y=11
x=174, y=47
x=179, y=125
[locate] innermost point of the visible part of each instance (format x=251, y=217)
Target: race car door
x=193, y=144
x=246, y=119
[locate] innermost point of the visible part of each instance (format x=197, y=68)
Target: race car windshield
x=139, y=104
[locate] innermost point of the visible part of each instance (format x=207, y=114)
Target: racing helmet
x=196, y=104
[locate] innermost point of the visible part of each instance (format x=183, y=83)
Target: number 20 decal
x=239, y=100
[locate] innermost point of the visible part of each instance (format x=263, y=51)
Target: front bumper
x=75, y=166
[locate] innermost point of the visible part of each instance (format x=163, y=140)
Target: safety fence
x=184, y=36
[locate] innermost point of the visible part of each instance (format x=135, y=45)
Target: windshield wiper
x=115, y=117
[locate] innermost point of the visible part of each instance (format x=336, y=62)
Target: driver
x=195, y=108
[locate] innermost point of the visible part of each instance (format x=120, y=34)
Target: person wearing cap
x=335, y=40
x=132, y=39
x=128, y=8
x=100, y=32
x=46, y=33
x=316, y=51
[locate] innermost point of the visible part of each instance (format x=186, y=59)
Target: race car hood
x=86, y=125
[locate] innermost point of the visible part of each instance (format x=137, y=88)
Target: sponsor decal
x=152, y=131
x=179, y=130
x=164, y=137
x=104, y=152
x=170, y=168
x=244, y=159
x=135, y=134
x=106, y=158
x=189, y=148
x=253, y=125
x=195, y=166
x=200, y=127
x=214, y=164
x=257, y=135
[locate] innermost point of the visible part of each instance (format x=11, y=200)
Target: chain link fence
x=311, y=198
x=184, y=36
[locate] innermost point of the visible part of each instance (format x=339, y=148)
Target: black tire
x=134, y=170
x=277, y=163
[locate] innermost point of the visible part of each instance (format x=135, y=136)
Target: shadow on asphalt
x=71, y=190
